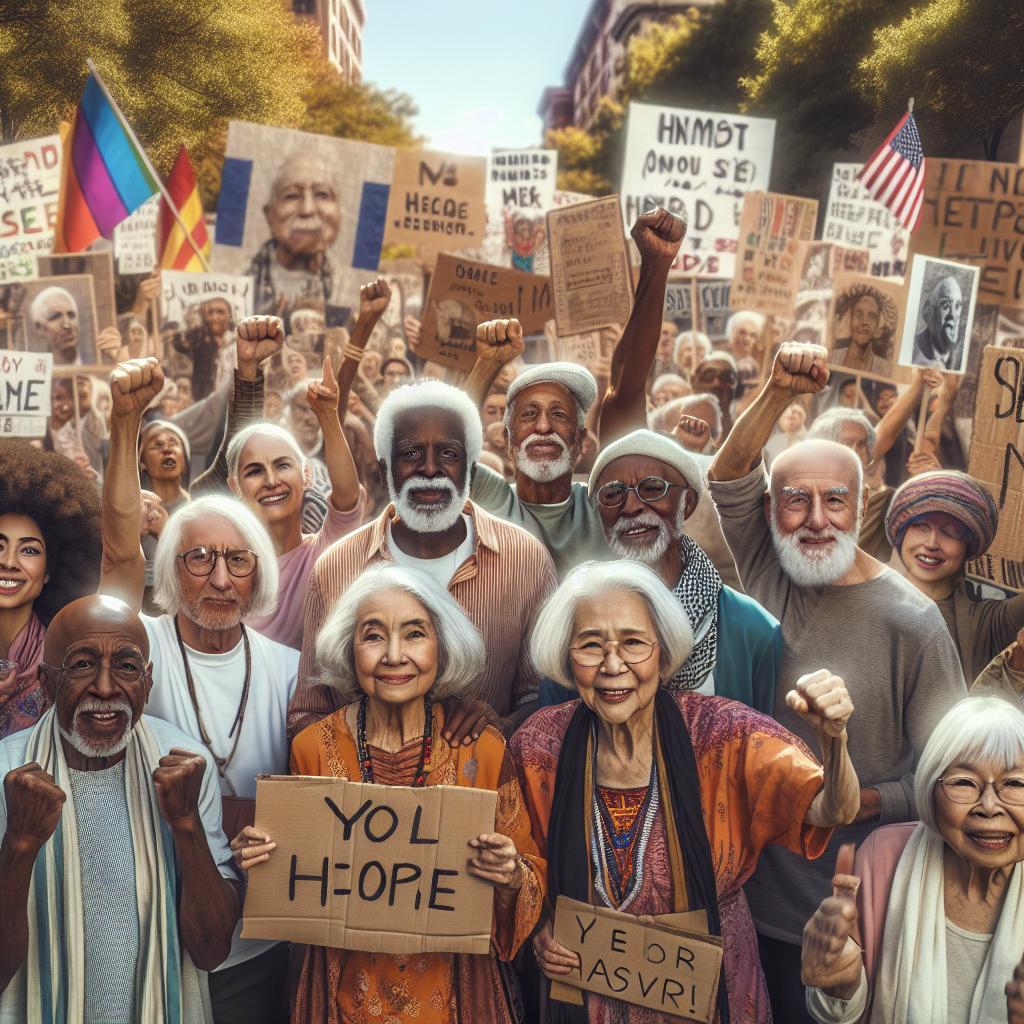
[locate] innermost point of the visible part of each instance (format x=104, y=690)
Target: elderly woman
x=396, y=645
x=678, y=792
x=164, y=457
x=936, y=523
x=928, y=924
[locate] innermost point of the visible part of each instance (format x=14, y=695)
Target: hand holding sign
x=554, y=959
x=658, y=234
x=831, y=959
x=800, y=369
x=133, y=385
x=108, y=343
x=252, y=847
x=499, y=341
x=497, y=861
x=822, y=700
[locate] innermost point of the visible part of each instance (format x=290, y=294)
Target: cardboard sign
x=135, y=239
x=973, y=213
x=714, y=307
x=29, y=189
x=464, y=293
x=25, y=387
x=666, y=969
x=853, y=218
x=100, y=265
x=376, y=868
x=865, y=326
x=590, y=273
x=182, y=294
x=520, y=191
x=436, y=201
x=696, y=164
x=820, y=263
x=679, y=301
x=997, y=459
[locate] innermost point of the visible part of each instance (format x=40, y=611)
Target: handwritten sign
x=29, y=188
x=698, y=165
x=362, y=866
x=183, y=292
x=679, y=297
x=666, y=969
x=25, y=384
x=135, y=239
x=714, y=307
x=997, y=459
x=590, y=273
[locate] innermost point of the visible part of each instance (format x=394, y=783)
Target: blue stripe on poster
x=370, y=230
x=234, y=197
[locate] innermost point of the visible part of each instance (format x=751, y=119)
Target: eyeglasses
x=125, y=668
x=965, y=789
x=651, y=488
x=201, y=561
x=722, y=376
x=592, y=653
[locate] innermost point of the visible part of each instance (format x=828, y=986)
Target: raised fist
x=830, y=957
x=374, y=298
x=34, y=804
x=133, y=385
x=800, y=369
x=258, y=338
x=822, y=700
x=658, y=234
x=179, y=781
x=323, y=395
x=499, y=341
x=692, y=433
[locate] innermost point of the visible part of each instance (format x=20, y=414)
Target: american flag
x=895, y=173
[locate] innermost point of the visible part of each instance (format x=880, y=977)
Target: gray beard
x=428, y=519
x=543, y=470
x=810, y=570
x=654, y=550
x=213, y=621
x=82, y=745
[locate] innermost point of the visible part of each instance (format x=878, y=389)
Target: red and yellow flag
x=175, y=251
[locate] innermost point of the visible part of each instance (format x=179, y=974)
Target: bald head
x=92, y=616
x=816, y=460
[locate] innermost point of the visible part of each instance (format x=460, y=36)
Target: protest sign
x=520, y=190
x=853, y=218
x=183, y=294
x=667, y=969
x=819, y=264
x=25, y=381
x=679, y=301
x=436, y=201
x=100, y=265
x=301, y=260
x=464, y=293
x=29, y=190
x=377, y=868
x=997, y=459
x=58, y=315
x=135, y=239
x=590, y=273
x=865, y=326
x=697, y=165
x=714, y=307
x=983, y=334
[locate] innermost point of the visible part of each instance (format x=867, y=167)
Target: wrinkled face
x=218, y=601
x=216, y=316
x=855, y=437
x=545, y=438
x=989, y=832
x=717, y=377
x=614, y=623
x=396, y=647
x=667, y=340
x=793, y=418
x=270, y=479
x=304, y=213
x=934, y=547
x=744, y=337
x=62, y=404
x=667, y=392
x=865, y=318
x=58, y=321
x=304, y=424
x=163, y=456
x=944, y=314
x=494, y=409
x=22, y=560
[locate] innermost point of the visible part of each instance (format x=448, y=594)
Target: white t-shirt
x=443, y=568
x=218, y=678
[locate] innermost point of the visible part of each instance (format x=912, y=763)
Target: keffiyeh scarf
x=697, y=591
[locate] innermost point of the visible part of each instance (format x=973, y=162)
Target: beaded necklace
x=366, y=763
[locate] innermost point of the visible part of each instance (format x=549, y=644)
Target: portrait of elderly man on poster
x=940, y=311
x=59, y=316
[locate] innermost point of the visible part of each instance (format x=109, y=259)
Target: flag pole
x=149, y=167
x=910, y=105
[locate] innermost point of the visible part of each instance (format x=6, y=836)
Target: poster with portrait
x=864, y=326
x=57, y=315
x=100, y=265
x=303, y=215
x=819, y=263
x=941, y=296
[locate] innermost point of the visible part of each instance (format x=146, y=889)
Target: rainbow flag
x=104, y=175
x=176, y=252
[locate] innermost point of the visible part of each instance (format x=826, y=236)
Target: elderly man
x=794, y=539
x=55, y=319
x=116, y=883
x=204, y=343
x=743, y=331
x=223, y=684
x=428, y=439
x=292, y=268
x=719, y=375
x=936, y=345
x=547, y=406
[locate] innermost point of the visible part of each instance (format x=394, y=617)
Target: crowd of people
x=701, y=621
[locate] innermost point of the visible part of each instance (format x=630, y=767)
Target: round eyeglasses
x=614, y=493
x=240, y=562
x=965, y=789
x=125, y=669
x=632, y=651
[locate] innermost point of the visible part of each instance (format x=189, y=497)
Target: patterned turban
x=957, y=494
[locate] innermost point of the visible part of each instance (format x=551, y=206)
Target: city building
x=341, y=28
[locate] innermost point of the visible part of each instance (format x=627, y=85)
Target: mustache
x=546, y=439
x=424, y=483
x=646, y=518
x=89, y=705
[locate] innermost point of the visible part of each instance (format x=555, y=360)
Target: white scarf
x=911, y=986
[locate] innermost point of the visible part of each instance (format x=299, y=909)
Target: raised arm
x=133, y=385
x=932, y=438
x=892, y=423
x=798, y=370
x=341, y=467
x=374, y=299
x=498, y=342
x=658, y=235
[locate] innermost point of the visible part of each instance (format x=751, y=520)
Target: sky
x=476, y=70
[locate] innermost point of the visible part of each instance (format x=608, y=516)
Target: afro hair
x=65, y=504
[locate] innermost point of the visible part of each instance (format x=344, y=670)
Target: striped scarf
x=697, y=591
x=169, y=988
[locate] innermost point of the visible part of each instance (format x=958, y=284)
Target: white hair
x=829, y=424
x=552, y=633
x=757, y=319
x=668, y=378
x=167, y=584
x=237, y=444
x=665, y=417
x=35, y=311
x=701, y=344
x=461, y=657
x=974, y=729
x=427, y=394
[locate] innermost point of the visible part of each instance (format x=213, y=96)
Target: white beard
x=428, y=519
x=808, y=568
x=543, y=470
x=651, y=552
x=82, y=745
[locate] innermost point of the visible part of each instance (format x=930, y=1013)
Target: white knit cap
x=654, y=446
x=577, y=380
